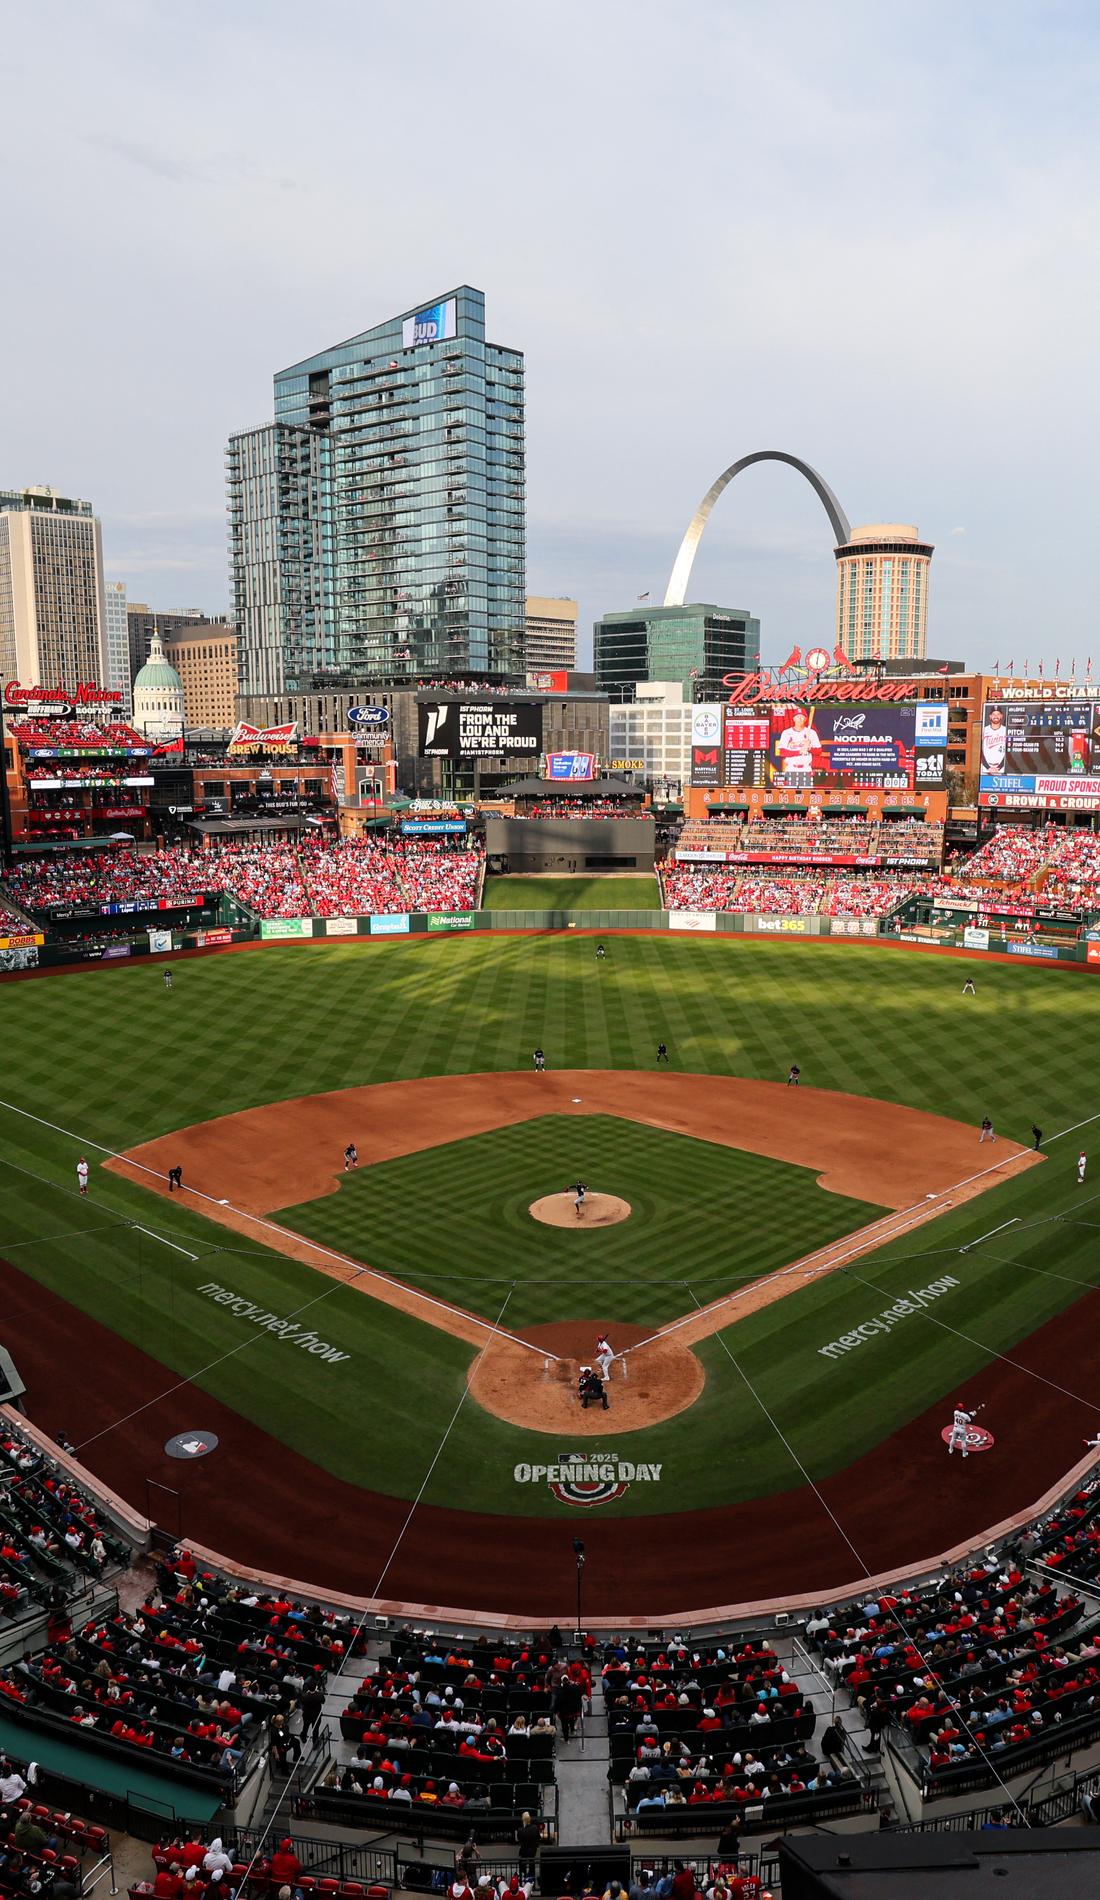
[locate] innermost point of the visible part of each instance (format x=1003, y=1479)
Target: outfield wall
x=35, y=953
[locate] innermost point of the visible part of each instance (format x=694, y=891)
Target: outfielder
x=82, y=1175
x=1082, y=1163
x=960, y=1426
x=605, y=1353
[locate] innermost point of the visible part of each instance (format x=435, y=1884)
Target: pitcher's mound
x=599, y=1210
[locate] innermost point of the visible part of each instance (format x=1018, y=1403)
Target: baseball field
x=798, y=1282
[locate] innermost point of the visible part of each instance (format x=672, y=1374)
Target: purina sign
x=583, y=1481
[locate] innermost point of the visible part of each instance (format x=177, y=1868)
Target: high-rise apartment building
x=377, y=526
x=116, y=633
x=52, y=610
x=697, y=644
x=882, y=592
x=549, y=634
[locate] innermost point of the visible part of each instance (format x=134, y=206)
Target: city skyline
x=879, y=275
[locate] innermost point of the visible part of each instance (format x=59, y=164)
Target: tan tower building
x=549, y=634
x=52, y=609
x=882, y=592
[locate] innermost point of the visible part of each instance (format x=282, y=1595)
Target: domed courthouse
x=158, y=696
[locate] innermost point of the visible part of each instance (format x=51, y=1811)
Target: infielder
x=1082, y=1163
x=605, y=1353
x=987, y=1133
x=351, y=1157
x=960, y=1425
x=82, y=1175
x=539, y=1059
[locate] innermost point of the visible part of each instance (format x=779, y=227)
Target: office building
x=882, y=592
x=116, y=634
x=142, y=620
x=698, y=644
x=52, y=609
x=651, y=734
x=377, y=526
x=549, y=634
x=205, y=657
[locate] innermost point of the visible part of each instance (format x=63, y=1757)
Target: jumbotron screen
x=822, y=747
x=1040, y=752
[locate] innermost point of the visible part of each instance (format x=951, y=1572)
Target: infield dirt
x=240, y=1169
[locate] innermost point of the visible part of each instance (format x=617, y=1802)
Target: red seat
x=351, y=1889
x=69, y=1863
x=40, y=1811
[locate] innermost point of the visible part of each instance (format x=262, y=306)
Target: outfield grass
x=571, y=893
x=695, y=1220
x=110, y=1058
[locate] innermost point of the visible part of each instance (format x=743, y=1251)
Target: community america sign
x=583, y=1481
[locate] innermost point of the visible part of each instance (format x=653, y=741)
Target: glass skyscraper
x=377, y=527
x=696, y=644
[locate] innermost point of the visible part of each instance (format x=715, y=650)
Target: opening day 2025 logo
x=584, y=1481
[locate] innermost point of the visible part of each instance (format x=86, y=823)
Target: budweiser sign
x=84, y=693
x=749, y=689
x=246, y=738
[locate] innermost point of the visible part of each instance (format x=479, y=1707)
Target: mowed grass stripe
x=455, y=1221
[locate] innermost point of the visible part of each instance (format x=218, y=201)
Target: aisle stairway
x=584, y=1818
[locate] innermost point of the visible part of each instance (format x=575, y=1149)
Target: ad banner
x=692, y=920
x=480, y=729
x=390, y=925
x=286, y=927
x=452, y=920
x=341, y=926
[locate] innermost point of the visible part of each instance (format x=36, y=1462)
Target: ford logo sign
x=368, y=716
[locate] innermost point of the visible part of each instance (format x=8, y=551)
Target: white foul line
x=164, y=1242
x=989, y=1236
x=273, y=1227
x=903, y=1217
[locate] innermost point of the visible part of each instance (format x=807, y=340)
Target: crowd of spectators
x=456, y=1727
x=69, y=733
x=978, y=1664
x=273, y=880
x=848, y=834
x=567, y=807
x=1013, y=854
x=723, y=1727
x=768, y=893
x=95, y=878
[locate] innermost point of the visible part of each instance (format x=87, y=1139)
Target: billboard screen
x=480, y=729
x=832, y=747
x=571, y=765
x=432, y=325
x=1040, y=754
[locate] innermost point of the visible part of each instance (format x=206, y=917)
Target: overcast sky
x=860, y=233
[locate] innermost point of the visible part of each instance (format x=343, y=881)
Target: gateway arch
x=681, y=572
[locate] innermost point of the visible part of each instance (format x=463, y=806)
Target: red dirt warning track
x=271, y=1510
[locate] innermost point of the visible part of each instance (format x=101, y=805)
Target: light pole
x=578, y=1552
